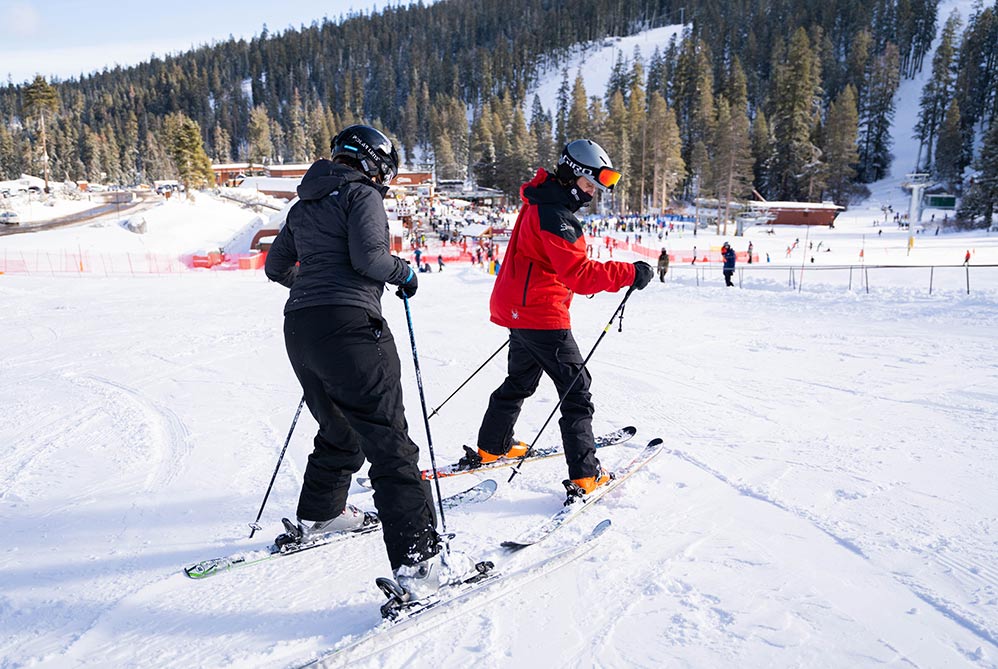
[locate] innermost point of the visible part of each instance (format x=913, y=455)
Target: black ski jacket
x=337, y=234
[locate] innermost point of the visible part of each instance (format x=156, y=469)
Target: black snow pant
x=555, y=353
x=349, y=370
x=728, y=273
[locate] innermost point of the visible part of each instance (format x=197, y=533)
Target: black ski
x=210, y=567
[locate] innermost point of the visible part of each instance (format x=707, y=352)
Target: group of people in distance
x=333, y=255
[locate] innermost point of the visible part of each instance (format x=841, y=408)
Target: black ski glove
x=409, y=286
x=643, y=274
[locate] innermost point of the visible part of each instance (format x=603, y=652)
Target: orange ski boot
x=477, y=458
x=579, y=488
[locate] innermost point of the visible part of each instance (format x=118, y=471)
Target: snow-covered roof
x=475, y=229
x=281, y=184
x=804, y=206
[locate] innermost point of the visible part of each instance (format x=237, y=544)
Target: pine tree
x=618, y=147
x=795, y=107
x=540, y=129
x=701, y=179
x=668, y=170
x=637, y=121
x=938, y=91
x=977, y=78
x=599, y=123
x=279, y=141
x=186, y=149
x=619, y=81
x=522, y=150
x=763, y=151
x=111, y=154
x=90, y=153
x=443, y=158
x=839, y=148
x=876, y=116
x=457, y=132
x=657, y=76
x=297, y=138
x=694, y=101
x=981, y=201
x=221, y=143
x=9, y=164
x=949, y=147
x=41, y=99
x=483, y=149
x=320, y=135
x=561, y=113
x=130, y=150
x=410, y=127
x=732, y=165
x=261, y=149
x=577, y=124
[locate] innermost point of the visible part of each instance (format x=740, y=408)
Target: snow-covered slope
x=827, y=497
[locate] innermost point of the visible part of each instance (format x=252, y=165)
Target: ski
x=457, y=469
x=210, y=567
x=415, y=618
x=577, y=505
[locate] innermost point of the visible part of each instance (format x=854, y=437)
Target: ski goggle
x=607, y=178
x=604, y=178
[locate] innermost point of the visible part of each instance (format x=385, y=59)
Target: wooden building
x=797, y=213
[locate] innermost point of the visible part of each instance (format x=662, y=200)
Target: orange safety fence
x=121, y=263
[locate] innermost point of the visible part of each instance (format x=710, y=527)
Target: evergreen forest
x=791, y=98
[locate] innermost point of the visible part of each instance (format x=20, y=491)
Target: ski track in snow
x=948, y=609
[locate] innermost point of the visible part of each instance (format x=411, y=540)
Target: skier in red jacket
x=545, y=264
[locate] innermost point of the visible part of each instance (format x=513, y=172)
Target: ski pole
x=434, y=412
x=426, y=419
x=255, y=525
x=568, y=388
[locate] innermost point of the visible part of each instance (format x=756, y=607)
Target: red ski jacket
x=546, y=261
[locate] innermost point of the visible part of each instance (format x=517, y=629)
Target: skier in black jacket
x=333, y=253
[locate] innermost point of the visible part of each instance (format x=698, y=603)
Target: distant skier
x=750, y=253
x=440, y=263
x=663, y=265
x=728, y=254
x=966, y=258
x=545, y=265
x=333, y=253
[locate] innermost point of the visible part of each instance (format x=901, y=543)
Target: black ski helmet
x=371, y=148
x=586, y=158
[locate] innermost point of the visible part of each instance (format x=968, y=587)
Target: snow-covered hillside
x=595, y=63
x=827, y=497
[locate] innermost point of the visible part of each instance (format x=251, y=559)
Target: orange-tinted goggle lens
x=608, y=178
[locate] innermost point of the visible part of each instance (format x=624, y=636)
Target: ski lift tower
x=916, y=183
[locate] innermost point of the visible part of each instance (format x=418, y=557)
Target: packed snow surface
x=826, y=498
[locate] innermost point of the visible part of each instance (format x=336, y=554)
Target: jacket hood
x=325, y=176
x=544, y=188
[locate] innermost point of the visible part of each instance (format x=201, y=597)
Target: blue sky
x=64, y=38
